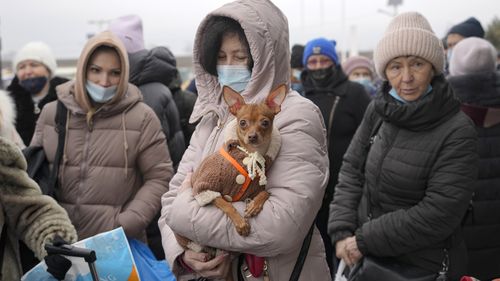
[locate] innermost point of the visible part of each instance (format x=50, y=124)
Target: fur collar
x=8, y=119
x=274, y=146
x=7, y=108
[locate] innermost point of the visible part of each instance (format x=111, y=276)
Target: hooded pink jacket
x=116, y=165
x=297, y=178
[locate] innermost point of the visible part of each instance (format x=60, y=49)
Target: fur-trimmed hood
x=7, y=108
x=8, y=119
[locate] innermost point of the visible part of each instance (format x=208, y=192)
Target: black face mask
x=322, y=76
x=34, y=85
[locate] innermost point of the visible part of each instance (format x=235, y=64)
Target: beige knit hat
x=409, y=34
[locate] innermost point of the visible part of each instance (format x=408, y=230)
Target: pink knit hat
x=355, y=62
x=473, y=55
x=129, y=30
x=409, y=34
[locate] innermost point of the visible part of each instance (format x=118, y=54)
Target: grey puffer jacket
x=418, y=181
x=152, y=71
x=296, y=179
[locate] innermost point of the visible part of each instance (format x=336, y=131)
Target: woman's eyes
x=394, y=67
x=94, y=70
x=115, y=73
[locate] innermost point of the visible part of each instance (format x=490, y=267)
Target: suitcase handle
x=72, y=251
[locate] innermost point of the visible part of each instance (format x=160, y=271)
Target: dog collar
x=243, y=178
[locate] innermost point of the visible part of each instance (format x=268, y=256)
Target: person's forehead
x=361, y=69
x=318, y=56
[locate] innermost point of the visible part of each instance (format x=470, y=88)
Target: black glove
x=57, y=265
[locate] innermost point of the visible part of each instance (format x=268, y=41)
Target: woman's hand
x=341, y=252
x=352, y=251
x=216, y=268
x=347, y=250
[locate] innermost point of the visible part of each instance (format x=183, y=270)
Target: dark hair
x=211, y=41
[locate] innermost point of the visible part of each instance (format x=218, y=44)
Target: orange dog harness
x=240, y=169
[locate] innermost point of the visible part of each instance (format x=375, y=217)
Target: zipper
x=220, y=125
x=83, y=172
x=379, y=168
x=330, y=120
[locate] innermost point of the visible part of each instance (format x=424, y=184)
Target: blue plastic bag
x=148, y=266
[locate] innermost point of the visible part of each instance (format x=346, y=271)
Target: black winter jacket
x=152, y=71
x=418, y=180
x=342, y=104
x=27, y=115
x=480, y=95
x=185, y=101
x=342, y=121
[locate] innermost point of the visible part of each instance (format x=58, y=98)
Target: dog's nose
x=252, y=138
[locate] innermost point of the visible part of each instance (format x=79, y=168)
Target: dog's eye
x=264, y=123
x=243, y=123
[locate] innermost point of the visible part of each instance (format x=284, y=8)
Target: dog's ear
x=233, y=99
x=276, y=98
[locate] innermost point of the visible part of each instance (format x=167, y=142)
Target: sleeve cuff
x=340, y=235
x=360, y=241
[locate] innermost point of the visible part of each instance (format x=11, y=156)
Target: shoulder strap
x=3, y=241
x=299, y=264
x=60, y=121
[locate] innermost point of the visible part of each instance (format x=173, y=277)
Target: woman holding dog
x=407, y=177
x=244, y=45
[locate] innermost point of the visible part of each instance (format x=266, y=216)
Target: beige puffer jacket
x=29, y=215
x=116, y=165
x=296, y=180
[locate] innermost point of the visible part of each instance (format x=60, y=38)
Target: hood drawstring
x=89, y=116
x=125, y=143
x=65, y=154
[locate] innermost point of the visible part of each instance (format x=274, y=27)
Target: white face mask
x=100, y=94
x=234, y=76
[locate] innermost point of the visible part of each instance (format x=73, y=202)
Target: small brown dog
x=237, y=171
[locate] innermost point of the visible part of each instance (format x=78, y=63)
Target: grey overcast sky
x=64, y=24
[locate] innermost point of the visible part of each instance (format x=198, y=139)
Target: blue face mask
x=366, y=82
x=34, y=85
x=296, y=73
x=395, y=95
x=448, y=55
x=298, y=87
x=234, y=76
x=100, y=94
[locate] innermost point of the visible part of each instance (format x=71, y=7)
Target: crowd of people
x=393, y=159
